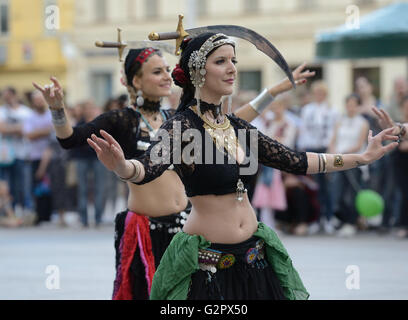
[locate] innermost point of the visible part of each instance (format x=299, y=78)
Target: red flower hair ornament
x=179, y=76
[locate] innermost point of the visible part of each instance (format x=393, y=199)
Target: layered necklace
x=150, y=107
x=224, y=137
x=222, y=133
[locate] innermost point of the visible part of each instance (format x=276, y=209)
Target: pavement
x=53, y=263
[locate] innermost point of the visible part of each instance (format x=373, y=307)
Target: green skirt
x=173, y=276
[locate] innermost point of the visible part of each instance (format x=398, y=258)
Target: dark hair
x=354, y=96
x=122, y=100
x=132, y=66
x=404, y=99
x=108, y=104
x=12, y=90
x=188, y=46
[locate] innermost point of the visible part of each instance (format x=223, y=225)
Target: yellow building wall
x=27, y=28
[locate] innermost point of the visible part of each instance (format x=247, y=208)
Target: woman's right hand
x=52, y=93
x=109, y=152
x=375, y=149
x=385, y=121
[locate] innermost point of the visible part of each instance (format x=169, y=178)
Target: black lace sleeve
x=166, y=149
x=271, y=153
x=118, y=123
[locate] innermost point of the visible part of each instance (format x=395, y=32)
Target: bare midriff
x=160, y=197
x=221, y=219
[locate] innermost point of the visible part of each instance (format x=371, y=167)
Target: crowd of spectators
x=39, y=179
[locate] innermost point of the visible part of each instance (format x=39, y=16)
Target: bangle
x=263, y=100
x=324, y=163
x=402, y=132
x=135, y=174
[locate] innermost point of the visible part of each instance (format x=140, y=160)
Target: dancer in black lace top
x=147, y=77
x=223, y=252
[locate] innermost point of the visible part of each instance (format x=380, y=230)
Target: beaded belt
x=211, y=260
x=171, y=227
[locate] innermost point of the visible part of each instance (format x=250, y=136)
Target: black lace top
x=123, y=125
x=212, y=178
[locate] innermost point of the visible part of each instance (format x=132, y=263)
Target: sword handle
x=155, y=36
x=107, y=44
x=178, y=35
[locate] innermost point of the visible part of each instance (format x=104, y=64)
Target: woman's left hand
x=375, y=150
x=299, y=76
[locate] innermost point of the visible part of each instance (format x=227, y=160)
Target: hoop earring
x=139, y=98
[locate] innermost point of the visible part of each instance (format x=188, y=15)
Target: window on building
x=365, y=2
x=251, y=6
x=100, y=10
x=202, y=8
x=250, y=80
x=4, y=17
x=131, y=9
x=152, y=8
x=307, y=4
x=3, y=54
x=101, y=87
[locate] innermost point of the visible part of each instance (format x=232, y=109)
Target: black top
x=123, y=125
x=84, y=151
x=213, y=178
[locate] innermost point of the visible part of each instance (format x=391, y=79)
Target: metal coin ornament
x=240, y=190
x=139, y=99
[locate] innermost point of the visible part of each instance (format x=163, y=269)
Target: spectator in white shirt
x=37, y=129
x=349, y=136
x=318, y=120
x=17, y=171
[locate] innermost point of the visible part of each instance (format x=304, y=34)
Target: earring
x=139, y=99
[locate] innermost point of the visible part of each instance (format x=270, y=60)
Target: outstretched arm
x=273, y=154
x=320, y=163
x=54, y=96
x=249, y=111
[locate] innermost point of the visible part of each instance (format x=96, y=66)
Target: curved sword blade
x=153, y=44
x=260, y=42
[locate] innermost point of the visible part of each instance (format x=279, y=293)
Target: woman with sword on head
x=139, y=250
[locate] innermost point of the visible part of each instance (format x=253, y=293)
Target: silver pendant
x=240, y=190
x=141, y=145
x=152, y=133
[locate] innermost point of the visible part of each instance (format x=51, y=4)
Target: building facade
x=291, y=25
x=31, y=41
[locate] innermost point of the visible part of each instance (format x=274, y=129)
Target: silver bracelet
x=58, y=117
x=262, y=101
x=135, y=173
x=324, y=163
